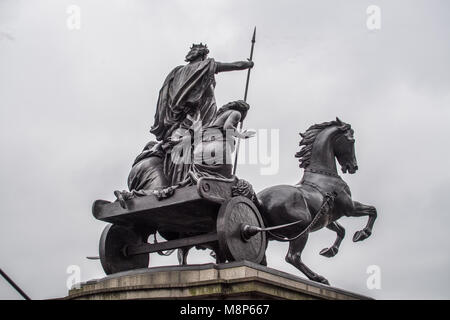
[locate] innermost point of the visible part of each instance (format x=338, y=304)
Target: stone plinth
x=240, y=280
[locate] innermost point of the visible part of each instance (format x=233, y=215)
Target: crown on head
x=201, y=45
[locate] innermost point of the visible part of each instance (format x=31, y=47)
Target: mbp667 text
x=248, y=309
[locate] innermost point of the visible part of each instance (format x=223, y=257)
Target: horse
x=304, y=202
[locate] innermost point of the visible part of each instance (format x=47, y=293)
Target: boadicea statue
x=186, y=110
x=183, y=185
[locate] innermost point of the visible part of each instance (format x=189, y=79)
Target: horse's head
x=324, y=142
x=344, y=147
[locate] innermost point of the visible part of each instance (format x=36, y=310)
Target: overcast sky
x=76, y=107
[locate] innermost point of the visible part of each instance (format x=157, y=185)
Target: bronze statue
x=147, y=172
x=188, y=95
x=211, y=208
x=212, y=153
x=185, y=99
x=208, y=153
x=320, y=198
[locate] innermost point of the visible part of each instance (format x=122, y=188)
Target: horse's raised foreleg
x=361, y=210
x=340, y=234
x=294, y=257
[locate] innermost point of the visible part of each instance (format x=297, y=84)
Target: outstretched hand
x=247, y=134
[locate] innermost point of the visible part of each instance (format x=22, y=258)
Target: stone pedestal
x=240, y=280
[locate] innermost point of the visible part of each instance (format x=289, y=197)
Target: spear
x=245, y=99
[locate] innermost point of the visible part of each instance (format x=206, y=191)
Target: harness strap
x=327, y=205
x=313, y=185
x=321, y=171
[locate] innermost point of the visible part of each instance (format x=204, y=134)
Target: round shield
x=233, y=215
x=113, y=242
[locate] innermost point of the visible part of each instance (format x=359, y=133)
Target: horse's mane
x=308, y=138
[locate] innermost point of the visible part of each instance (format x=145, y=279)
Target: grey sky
x=76, y=107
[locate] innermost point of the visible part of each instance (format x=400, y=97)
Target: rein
x=327, y=204
x=328, y=201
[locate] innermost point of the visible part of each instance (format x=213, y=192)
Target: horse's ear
x=339, y=121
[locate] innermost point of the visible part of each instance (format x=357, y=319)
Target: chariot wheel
x=113, y=243
x=233, y=215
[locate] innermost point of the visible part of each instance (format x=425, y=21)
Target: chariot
x=207, y=215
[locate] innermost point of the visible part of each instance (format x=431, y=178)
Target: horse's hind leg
x=182, y=255
x=361, y=210
x=294, y=257
x=340, y=234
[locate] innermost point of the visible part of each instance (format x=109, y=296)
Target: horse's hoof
x=329, y=252
x=325, y=281
x=322, y=280
x=361, y=235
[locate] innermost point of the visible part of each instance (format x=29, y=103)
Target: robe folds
x=187, y=90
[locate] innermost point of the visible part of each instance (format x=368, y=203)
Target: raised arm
x=232, y=66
